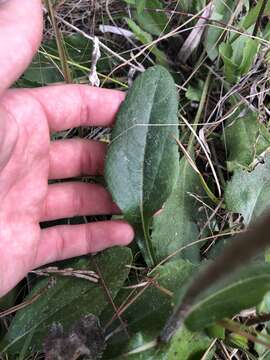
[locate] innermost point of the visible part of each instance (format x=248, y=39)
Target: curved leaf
x=240, y=291
x=143, y=162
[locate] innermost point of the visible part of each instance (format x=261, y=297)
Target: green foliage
x=146, y=38
x=239, y=57
x=193, y=6
x=176, y=225
x=194, y=92
x=45, y=67
x=148, y=314
x=248, y=192
x=179, y=348
x=143, y=155
x=67, y=300
x=149, y=19
x=239, y=291
x=161, y=194
x=222, y=12
x=245, y=138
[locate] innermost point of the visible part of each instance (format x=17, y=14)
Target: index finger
x=68, y=106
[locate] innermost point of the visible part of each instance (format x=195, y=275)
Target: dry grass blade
x=59, y=42
x=194, y=38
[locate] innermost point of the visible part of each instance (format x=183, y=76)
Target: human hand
x=28, y=158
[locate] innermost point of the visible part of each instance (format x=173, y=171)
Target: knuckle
x=88, y=239
x=86, y=160
x=77, y=201
x=60, y=245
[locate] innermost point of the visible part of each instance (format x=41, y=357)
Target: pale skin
x=28, y=159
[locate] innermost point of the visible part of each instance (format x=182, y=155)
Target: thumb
x=20, y=36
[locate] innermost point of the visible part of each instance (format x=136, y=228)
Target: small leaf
x=142, y=164
x=194, y=92
x=146, y=38
x=245, y=138
x=68, y=300
x=238, y=57
x=176, y=225
x=223, y=10
x=248, y=193
x=151, y=20
x=231, y=69
x=249, y=53
x=239, y=291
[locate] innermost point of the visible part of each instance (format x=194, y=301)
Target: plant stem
x=192, y=136
x=150, y=252
x=199, y=112
x=59, y=42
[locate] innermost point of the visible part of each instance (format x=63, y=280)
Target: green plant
x=188, y=165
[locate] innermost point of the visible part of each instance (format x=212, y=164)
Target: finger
x=8, y=137
x=69, y=106
x=66, y=241
x=76, y=157
x=20, y=36
x=67, y=200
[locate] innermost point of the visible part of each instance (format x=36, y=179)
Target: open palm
x=28, y=158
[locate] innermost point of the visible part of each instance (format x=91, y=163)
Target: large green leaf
x=248, y=193
x=245, y=138
x=142, y=164
x=222, y=11
x=239, y=291
x=68, y=300
x=151, y=20
x=176, y=225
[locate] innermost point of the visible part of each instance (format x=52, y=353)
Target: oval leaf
x=143, y=162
